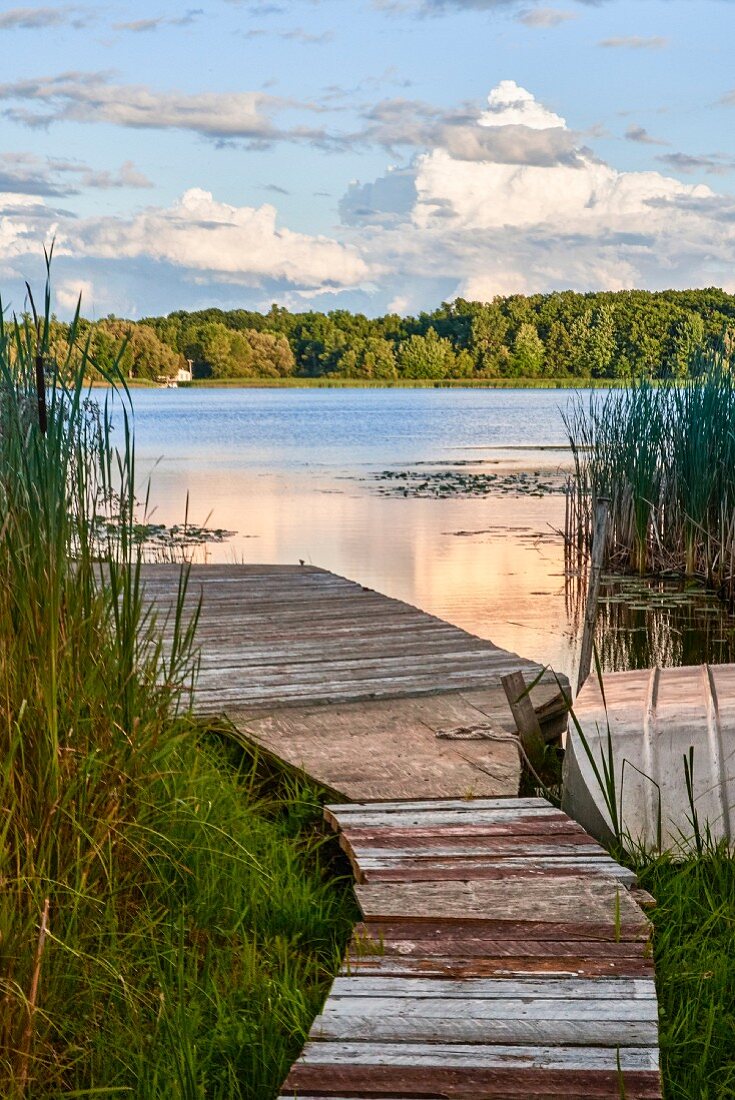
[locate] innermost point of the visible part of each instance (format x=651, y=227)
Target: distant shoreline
x=398, y=384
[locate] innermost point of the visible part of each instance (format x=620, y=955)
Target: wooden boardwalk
x=350, y=686
x=500, y=955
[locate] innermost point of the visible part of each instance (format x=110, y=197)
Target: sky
x=372, y=155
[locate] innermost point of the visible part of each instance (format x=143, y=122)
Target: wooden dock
x=359, y=691
x=500, y=955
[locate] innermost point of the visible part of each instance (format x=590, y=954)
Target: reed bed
x=167, y=923
x=664, y=455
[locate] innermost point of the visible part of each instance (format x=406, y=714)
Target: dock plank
x=535, y=981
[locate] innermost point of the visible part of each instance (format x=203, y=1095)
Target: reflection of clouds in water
x=404, y=547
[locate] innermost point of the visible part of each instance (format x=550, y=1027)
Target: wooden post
x=597, y=557
x=525, y=716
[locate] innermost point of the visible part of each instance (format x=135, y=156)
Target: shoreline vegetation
x=142, y=954
x=546, y=339
x=664, y=457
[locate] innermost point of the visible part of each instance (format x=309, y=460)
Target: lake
x=296, y=474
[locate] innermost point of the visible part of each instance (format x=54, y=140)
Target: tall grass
x=166, y=930
x=665, y=456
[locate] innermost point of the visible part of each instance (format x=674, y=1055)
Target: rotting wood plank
x=558, y=965
x=447, y=869
x=441, y=1082
x=427, y=941
x=575, y=900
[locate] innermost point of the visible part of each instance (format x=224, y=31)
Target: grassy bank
x=694, y=926
x=168, y=922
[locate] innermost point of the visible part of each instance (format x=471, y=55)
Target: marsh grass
x=167, y=922
x=665, y=456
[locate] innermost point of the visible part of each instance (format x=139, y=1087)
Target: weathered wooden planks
x=350, y=686
x=290, y=634
x=655, y=716
x=474, y=985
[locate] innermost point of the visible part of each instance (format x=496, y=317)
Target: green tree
x=429, y=356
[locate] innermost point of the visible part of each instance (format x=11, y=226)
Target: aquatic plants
x=141, y=953
x=664, y=455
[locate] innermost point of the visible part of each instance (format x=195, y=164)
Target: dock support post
x=526, y=719
x=599, y=538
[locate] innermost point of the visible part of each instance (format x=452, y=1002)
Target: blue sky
x=343, y=153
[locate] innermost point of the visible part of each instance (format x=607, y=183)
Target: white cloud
x=545, y=17
x=634, y=42
x=24, y=221
x=67, y=295
x=92, y=97
x=238, y=244
x=511, y=105
x=496, y=227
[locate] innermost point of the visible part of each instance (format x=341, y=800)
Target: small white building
x=183, y=374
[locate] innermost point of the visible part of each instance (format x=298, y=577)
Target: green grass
x=168, y=921
x=694, y=932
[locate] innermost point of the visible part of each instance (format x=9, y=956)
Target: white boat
x=652, y=728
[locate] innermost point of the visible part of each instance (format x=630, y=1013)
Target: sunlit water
x=292, y=472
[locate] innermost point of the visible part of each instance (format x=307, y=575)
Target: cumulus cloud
x=92, y=97
x=387, y=200
x=238, y=244
x=513, y=129
x=489, y=227
x=68, y=292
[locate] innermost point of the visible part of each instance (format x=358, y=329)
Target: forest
x=616, y=335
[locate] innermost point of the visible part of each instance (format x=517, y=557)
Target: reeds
x=165, y=932
x=665, y=456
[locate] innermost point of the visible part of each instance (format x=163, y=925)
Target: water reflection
x=645, y=622
x=292, y=473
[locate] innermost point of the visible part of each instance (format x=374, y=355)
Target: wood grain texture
x=500, y=955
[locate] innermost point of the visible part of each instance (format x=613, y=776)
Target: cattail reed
x=665, y=456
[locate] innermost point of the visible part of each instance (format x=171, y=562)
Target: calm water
x=291, y=471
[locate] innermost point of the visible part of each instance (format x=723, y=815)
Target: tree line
x=616, y=335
